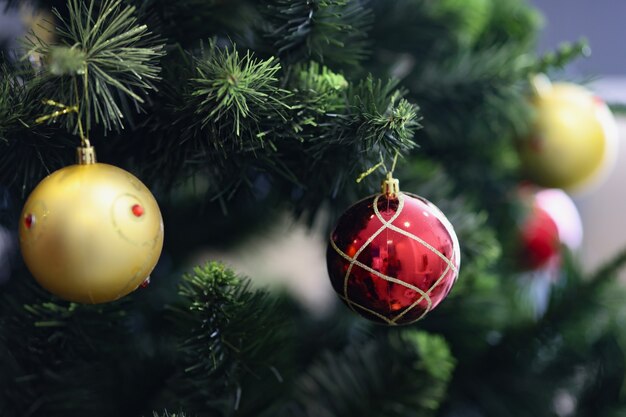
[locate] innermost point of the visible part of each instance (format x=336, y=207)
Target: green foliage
x=473, y=16
x=22, y=144
x=66, y=61
x=167, y=414
x=333, y=32
x=51, y=347
x=369, y=115
x=318, y=90
x=428, y=30
x=231, y=91
x=267, y=105
x=565, y=53
x=512, y=23
x=13, y=108
x=114, y=57
x=386, y=120
x=318, y=124
x=233, y=338
x=403, y=374
x=572, y=352
x=203, y=19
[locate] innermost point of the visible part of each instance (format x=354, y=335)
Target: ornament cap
x=390, y=186
x=86, y=155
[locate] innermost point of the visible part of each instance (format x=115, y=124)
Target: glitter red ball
x=137, y=210
x=393, y=260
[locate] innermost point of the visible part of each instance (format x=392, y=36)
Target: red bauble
x=540, y=238
x=552, y=221
x=393, y=259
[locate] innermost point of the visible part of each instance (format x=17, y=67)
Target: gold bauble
x=91, y=233
x=574, y=141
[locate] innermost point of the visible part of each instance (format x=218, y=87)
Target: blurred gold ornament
x=91, y=232
x=574, y=141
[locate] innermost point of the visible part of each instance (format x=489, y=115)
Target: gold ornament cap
x=390, y=186
x=86, y=155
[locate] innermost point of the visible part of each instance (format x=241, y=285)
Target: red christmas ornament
x=552, y=221
x=540, y=238
x=393, y=257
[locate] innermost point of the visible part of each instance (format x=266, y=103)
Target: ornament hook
x=390, y=186
x=86, y=155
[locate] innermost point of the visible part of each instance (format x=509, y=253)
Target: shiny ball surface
x=392, y=260
x=574, y=139
x=83, y=236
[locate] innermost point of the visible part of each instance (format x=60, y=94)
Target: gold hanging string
x=83, y=138
x=378, y=165
x=393, y=165
x=369, y=171
x=390, y=186
x=65, y=109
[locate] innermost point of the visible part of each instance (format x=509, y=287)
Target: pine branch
x=239, y=20
x=512, y=23
x=375, y=122
x=60, y=356
x=27, y=152
x=405, y=374
x=413, y=29
x=582, y=291
x=385, y=120
x=329, y=31
x=232, y=338
x=322, y=126
x=167, y=414
x=230, y=91
x=113, y=55
x=13, y=107
x=563, y=55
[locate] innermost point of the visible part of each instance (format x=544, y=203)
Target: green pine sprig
x=330, y=31
x=104, y=57
x=236, y=92
x=404, y=374
x=229, y=334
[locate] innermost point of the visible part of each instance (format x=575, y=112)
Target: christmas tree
x=235, y=112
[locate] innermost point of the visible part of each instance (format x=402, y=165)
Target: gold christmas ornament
x=574, y=141
x=92, y=232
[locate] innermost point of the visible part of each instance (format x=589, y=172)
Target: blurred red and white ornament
x=553, y=221
x=564, y=213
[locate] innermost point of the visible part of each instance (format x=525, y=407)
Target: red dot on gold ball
x=137, y=210
x=145, y=283
x=29, y=220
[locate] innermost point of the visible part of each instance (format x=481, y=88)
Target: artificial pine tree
x=234, y=111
